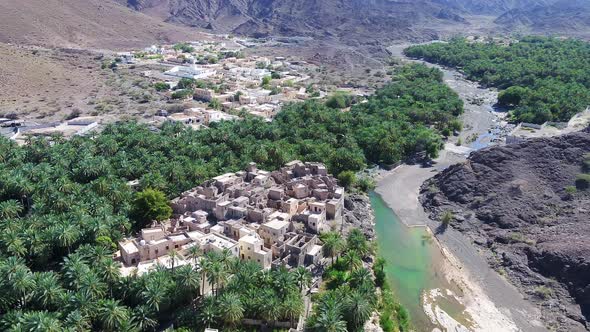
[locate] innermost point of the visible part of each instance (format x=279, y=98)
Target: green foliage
x=447, y=217
x=339, y=100
x=150, y=205
x=186, y=83
x=215, y=104
x=184, y=47
x=543, y=292
x=63, y=200
x=347, y=179
x=350, y=299
x=182, y=94
x=161, y=86
x=583, y=181
x=544, y=79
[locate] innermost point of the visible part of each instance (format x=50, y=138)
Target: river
x=427, y=276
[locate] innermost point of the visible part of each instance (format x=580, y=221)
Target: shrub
x=182, y=94
x=583, y=181
x=161, y=86
x=347, y=179
x=447, y=217
x=543, y=292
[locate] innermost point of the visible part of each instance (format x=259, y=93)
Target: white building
x=194, y=72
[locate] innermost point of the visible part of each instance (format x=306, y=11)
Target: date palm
x=302, y=277
x=329, y=317
x=360, y=277
x=352, y=260
x=292, y=307
x=333, y=244
x=40, y=321
x=187, y=282
x=143, y=318
x=231, y=308
x=271, y=310
x=111, y=314
x=208, y=313
x=77, y=321
x=10, y=209
x=48, y=290
x=358, y=310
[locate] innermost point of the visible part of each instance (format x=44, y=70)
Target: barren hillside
x=517, y=203
x=83, y=23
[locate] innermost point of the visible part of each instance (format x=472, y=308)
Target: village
x=225, y=81
x=271, y=218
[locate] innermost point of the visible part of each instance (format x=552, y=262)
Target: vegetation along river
x=413, y=265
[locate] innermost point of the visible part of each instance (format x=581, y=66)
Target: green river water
x=413, y=265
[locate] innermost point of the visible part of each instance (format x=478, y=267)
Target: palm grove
x=542, y=79
x=64, y=205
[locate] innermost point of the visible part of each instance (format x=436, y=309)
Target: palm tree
x=302, y=277
x=154, y=295
x=333, y=244
x=358, y=310
x=187, y=282
x=329, y=318
x=283, y=281
x=111, y=315
x=380, y=263
x=194, y=253
x=292, y=307
x=208, y=313
x=231, y=308
x=109, y=272
x=271, y=310
x=356, y=241
x=77, y=321
x=10, y=209
x=48, y=291
x=40, y=321
x=22, y=282
x=143, y=318
x=173, y=256
x=67, y=235
x=352, y=260
x=91, y=284
x=360, y=277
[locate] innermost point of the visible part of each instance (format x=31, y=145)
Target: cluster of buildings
x=20, y=130
x=270, y=218
x=257, y=85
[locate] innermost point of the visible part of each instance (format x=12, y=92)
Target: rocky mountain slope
x=360, y=20
x=513, y=203
x=355, y=19
x=87, y=23
x=567, y=16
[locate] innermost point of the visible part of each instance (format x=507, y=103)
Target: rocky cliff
x=512, y=201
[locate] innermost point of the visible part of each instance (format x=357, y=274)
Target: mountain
x=83, y=23
x=565, y=16
x=492, y=7
x=355, y=19
x=366, y=20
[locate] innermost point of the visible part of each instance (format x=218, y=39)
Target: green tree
x=150, y=205
x=231, y=308
x=347, y=179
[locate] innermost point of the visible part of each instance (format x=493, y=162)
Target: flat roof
x=276, y=224
x=130, y=247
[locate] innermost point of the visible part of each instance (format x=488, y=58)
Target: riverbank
x=492, y=303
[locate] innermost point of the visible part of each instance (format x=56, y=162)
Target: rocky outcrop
x=512, y=201
x=358, y=213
